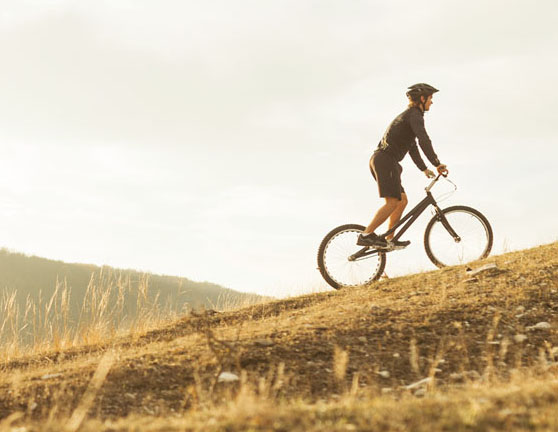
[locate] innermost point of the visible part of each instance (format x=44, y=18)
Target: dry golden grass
x=432, y=351
x=45, y=324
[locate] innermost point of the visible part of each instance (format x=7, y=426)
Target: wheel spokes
x=472, y=231
x=343, y=271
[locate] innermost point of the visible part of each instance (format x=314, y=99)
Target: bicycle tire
x=477, y=218
x=327, y=272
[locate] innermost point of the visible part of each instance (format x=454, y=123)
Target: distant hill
x=89, y=293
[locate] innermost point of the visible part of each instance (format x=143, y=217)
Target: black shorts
x=387, y=173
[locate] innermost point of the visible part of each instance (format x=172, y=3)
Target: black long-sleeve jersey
x=400, y=138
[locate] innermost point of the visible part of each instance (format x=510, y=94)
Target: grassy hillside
x=443, y=350
x=53, y=296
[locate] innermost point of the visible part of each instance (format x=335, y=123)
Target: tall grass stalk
x=112, y=305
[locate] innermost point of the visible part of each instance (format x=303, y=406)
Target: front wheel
x=457, y=235
x=337, y=262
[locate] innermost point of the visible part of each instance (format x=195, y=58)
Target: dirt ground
x=444, y=325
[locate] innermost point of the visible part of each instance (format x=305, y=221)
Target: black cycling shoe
x=371, y=240
x=396, y=244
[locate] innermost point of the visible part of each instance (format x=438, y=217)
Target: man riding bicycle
x=400, y=139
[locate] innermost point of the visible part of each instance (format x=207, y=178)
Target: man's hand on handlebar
x=428, y=173
x=443, y=170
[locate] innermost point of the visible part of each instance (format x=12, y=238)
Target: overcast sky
x=222, y=140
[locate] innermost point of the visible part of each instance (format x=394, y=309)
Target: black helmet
x=422, y=89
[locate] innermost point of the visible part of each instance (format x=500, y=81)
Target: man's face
x=427, y=103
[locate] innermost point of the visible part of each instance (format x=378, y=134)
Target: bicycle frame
x=408, y=220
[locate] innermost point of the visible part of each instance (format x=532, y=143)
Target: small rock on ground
x=227, y=377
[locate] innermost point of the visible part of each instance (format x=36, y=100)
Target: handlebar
x=427, y=189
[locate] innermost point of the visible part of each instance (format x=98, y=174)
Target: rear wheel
x=335, y=264
x=458, y=235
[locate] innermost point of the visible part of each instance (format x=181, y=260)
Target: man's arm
x=415, y=156
x=417, y=125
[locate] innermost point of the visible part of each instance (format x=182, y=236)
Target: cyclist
x=398, y=140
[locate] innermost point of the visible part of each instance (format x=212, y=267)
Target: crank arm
x=365, y=252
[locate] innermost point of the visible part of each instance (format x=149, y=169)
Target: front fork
x=444, y=221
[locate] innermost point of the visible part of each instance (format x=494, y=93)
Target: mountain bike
x=455, y=235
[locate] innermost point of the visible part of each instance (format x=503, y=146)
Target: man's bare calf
x=392, y=209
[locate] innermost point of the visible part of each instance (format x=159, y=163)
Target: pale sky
x=222, y=140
